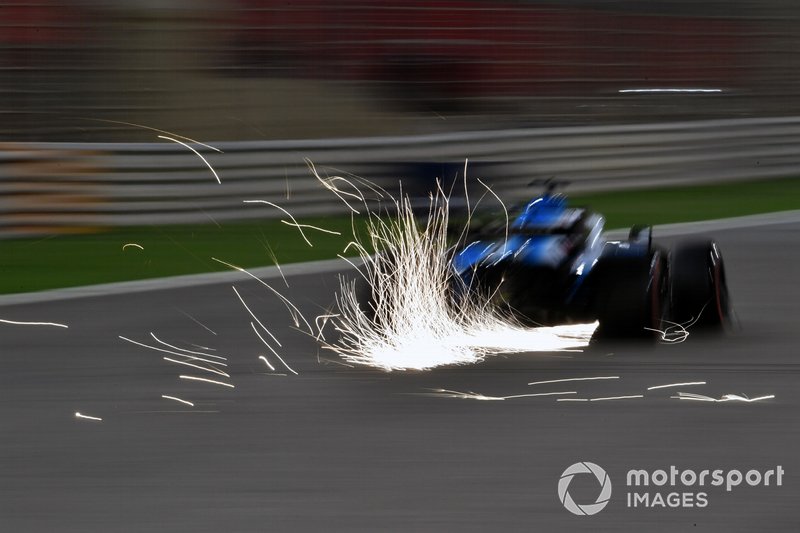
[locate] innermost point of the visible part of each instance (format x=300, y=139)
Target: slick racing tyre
x=631, y=297
x=698, y=291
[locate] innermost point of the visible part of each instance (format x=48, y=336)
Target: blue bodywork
x=545, y=259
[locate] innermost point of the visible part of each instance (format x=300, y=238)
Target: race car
x=550, y=264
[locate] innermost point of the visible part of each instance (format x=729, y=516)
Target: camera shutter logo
x=591, y=508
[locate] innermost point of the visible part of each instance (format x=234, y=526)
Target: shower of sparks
x=415, y=325
x=469, y=395
x=18, y=323
x=688, y=383
x=87, y=417
x=206, y=380
x=724, y=398
x=173, y=398
x=198, y=154
x=571, y=379
x=132, y=245
x=266, y=362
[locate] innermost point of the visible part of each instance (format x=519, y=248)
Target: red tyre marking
x=718, y=291
x=655, y=296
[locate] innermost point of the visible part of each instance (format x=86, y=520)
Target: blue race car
x=552, y=265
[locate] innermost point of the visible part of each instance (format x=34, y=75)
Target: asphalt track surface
x=342, y=449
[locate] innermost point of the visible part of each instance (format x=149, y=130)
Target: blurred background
x=276, y=69
x=105, y=106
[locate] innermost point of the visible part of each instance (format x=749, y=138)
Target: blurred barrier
x=77, y=187
x=236, y=70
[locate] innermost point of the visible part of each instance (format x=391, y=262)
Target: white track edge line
x=332, y=265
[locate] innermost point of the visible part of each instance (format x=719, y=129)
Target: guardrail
x=73, y=187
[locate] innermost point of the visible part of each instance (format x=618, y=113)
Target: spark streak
x=198, y=367
x=255, y=330
x=329, y=184
x=632, y=396
x=293, y=310
x=489, y=190
x=676, y=333
x=132, y=245
x=18, y=323
x=255, y=317
x=198, y=154
x=202, y=360
x=206, y=380
x=688, y=383
x=153, y=129
x=273, y=351
x=469, y=395
x=266, y=362
x=309, y=226
x=572, y=379
x=201, y=347
x=157, y=349
x=724, y=398
x=87, y=417
x=320, y=322
x=193, y=319
x=335, y=362
x=689, y=90
x=185, y=350
x=277, y=264
x=287, y=213
x=173, y=398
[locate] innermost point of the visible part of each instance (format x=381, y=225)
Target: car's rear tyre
x=630, y=300
x=698, y=291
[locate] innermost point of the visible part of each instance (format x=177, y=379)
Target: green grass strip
x=57, y=261
x=688, y=204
